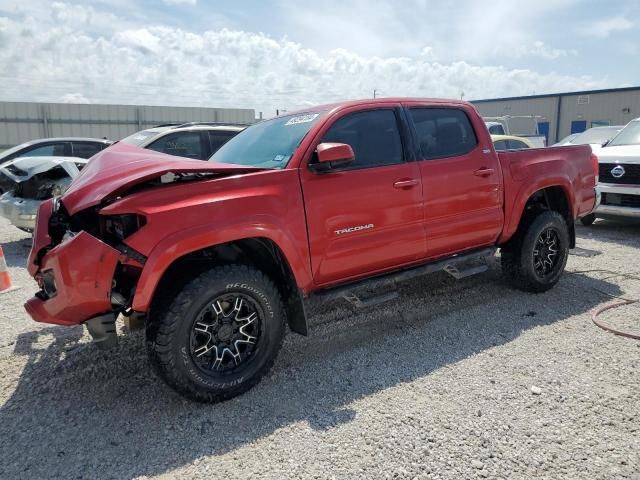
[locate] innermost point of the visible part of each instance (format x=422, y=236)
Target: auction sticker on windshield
x=302, y=119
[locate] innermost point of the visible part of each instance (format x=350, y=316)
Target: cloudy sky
x=283, y=54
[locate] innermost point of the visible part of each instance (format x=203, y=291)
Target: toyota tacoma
x=218, y=258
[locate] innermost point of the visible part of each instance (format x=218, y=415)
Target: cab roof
x=381, y=101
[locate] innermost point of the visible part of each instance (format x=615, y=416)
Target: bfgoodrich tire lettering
x=233, y=314
x=535, y=260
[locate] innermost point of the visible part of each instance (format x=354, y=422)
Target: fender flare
x=523, y=196
x=184, y=242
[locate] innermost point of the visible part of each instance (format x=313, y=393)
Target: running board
x=458, y=274
x=370, y=301
x=454, y=266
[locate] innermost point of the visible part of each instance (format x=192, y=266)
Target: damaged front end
x=84, y=271
x=29, y=181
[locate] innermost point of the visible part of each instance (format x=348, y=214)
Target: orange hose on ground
x=611, y=306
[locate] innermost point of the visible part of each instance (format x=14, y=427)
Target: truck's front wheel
x=219, y=335
x=536, y=258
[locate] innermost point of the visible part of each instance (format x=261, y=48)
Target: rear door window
x=443, y=132
x=180, y=144
x=218, y=138
x=85, y=149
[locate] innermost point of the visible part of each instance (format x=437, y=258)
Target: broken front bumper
x=21, y=212
x=75, y=279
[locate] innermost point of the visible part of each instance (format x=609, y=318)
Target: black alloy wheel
x=546, y=253
x=534, y=259
x=219, y=334
x=226, y=333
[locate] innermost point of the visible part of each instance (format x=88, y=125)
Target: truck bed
x=527, y=171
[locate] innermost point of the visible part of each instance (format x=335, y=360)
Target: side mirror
x=332, y=157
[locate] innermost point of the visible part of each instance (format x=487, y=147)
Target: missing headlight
x=119, y=227
x=49, y=283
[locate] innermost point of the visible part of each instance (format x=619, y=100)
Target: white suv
x=619, y=183
x=191, y=140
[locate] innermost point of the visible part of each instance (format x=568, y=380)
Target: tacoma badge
x=357, y=228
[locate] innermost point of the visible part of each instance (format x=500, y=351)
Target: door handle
x=484, y=172
x=408, y=183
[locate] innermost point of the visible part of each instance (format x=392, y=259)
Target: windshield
x=629, y=135
x=268, y=144
x=595, y=136
x=566, y=140
x=139, y=138
x=10, y=151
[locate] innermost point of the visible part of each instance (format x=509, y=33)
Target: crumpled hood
x=623, y=153
x=22, y=169
x=122, y=166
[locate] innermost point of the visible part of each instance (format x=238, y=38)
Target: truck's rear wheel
x=219, y=335
x=536, y=258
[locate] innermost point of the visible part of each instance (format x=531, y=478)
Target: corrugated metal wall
x=615, y=107
x=24, y=121
x=612, y=108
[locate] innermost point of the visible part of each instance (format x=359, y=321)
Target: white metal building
x=24, y=121
x=561, y=114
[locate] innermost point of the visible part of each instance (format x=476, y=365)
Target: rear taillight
x=596, y=166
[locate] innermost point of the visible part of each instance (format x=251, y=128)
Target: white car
x=39, y=169
x=33, y=180
x=619, y=181
x=566, y=140
x=51, y=147
x=597, y=137
x=195, y=140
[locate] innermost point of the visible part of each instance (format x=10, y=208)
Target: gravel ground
x=455, y=379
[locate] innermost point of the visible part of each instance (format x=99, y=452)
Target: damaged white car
x=34, y=179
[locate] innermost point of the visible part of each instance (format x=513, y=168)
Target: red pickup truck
x=219, y=257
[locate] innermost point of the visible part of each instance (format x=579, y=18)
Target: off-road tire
x=517, y=258
x=169, y=333
x=588, y=219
